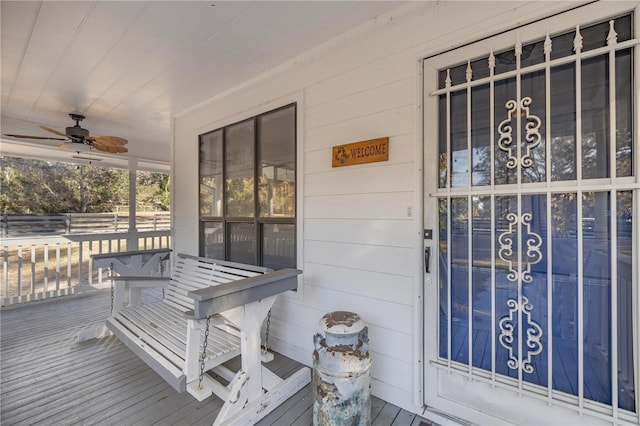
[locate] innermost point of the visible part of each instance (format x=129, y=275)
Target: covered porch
x=48, y=377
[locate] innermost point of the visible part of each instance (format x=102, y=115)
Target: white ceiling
x=129, y=66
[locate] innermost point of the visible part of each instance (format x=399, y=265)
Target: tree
x=34, y=186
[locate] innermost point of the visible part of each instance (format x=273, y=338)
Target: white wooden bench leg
x=247, y=402
x=254, y=411
x=192, y=356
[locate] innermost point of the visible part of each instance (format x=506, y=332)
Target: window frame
x=257, y=221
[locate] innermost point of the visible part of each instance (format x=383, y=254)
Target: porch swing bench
x=211, y=312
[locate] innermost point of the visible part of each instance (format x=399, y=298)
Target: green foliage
x=153, y=191
x=34, y=186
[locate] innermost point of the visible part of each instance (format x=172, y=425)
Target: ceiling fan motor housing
x=76, y=132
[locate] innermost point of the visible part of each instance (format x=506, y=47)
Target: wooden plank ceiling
x=129, y=66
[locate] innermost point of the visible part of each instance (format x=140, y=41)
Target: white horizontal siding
x=391, y=232
x=388, y=260
x=367, y=102
x=361, y=180
x=392, y=205
x=360, y=283
x=361, y=247
x=392, y=122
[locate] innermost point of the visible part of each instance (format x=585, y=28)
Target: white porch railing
x=41, y=267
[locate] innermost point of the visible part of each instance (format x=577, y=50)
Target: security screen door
x=531, y=181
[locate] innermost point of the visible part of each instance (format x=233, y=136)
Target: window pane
x=626, y=389
x=481, y=291
x=533, y=235
x=459, y=280
x=562, y=45
x=564, y=267
x=532, y=54
x=563, y=123
x=443, y=287
x=211, y=174
x=505, y=62
x=278, y=246
x=242, y=243
x=459, y=151
x=624, y=122
x=533, y=127
x=213, y=245
x=595, y=117
x=442, y=141
x=277, y=163
x=239, y=159
x=596, y=232
x=480, y=136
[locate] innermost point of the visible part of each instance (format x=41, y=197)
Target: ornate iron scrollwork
x=532, y=330
x=533, y=242
x=532, y=132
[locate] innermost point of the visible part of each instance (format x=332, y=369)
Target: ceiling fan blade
x=114, y=140
x=108, y=148
x=103, y=142
x=35, y=137
x=53, y=131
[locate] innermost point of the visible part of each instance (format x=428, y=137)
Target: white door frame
x=446, y=392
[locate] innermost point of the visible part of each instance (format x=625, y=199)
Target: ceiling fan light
x=76, y=147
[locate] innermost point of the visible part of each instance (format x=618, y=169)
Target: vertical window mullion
x=547, y=73
x=449, y=165
x=577, y=47
x=492, y=66
x=613, y=217
x=611, y=42
x=225, y=228
x=256, y=185
x=449, y=271
x=469, y=223
x=449, y=221
x=520, y=300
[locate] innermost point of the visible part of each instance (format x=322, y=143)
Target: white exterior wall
x=358, y=248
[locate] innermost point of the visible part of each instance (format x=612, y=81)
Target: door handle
x=427, y=259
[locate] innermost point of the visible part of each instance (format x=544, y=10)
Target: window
x=247, y=190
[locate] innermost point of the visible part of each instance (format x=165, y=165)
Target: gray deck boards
x=47, y=377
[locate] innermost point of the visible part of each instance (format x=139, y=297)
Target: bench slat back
x=192, y=273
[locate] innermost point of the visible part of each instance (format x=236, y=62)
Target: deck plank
x=386, y=415
x=404, y=418
x=48, y=377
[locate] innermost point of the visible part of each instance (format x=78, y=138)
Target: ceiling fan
x=78, y=135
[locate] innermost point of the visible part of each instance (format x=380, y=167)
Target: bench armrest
x=213, y=300
x=119, y=254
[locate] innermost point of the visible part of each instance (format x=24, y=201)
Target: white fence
x=40, y=267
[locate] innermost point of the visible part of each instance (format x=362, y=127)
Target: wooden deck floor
x=48, y=378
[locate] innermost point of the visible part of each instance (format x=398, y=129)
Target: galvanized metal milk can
x=341, y=377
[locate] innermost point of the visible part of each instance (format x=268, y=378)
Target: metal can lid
x=341, y=322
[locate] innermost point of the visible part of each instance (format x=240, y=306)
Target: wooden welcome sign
x=361, y=152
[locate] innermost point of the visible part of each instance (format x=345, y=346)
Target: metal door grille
x=538, y=219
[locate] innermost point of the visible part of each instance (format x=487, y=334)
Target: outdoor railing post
x=68, y=223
